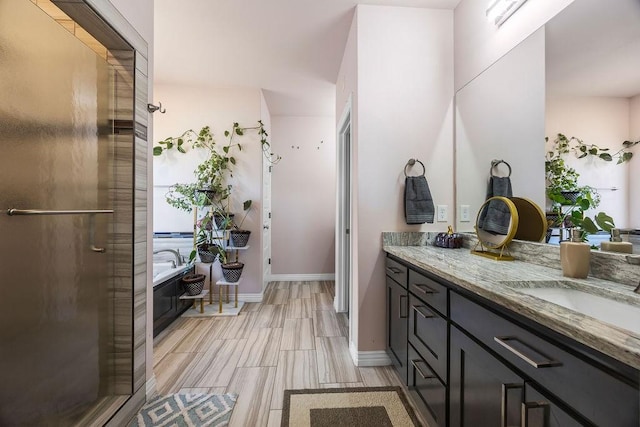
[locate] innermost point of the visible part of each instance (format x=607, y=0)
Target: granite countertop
x=483, y=277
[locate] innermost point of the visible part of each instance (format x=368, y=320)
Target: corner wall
x=402, y=109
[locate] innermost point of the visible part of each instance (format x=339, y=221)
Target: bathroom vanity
x=475, y=349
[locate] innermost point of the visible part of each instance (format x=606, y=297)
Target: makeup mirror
x=496, y=225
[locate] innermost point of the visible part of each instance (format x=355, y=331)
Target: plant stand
x=195, y=298
x=228, y=308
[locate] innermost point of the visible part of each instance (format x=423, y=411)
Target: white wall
x=602, y=121
x=634, y=164
x=500, y=115
x=479, y=43
x=191, y=108
x=303, y=195
x=404, y=110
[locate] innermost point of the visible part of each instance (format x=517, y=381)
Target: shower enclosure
x=67, y=151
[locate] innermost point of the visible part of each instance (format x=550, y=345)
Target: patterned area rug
x=186, y=410
x=353, y=407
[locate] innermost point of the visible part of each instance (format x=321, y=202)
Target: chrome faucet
x=178, y=262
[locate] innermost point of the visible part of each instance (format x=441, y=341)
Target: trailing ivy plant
x=210, y=187
x=564, y=145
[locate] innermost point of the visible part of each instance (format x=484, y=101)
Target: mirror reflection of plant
x=564, y=145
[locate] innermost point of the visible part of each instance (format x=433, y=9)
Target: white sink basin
x=616, y=313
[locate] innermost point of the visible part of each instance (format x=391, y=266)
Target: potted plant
x=231, y=270
x=206, y=242
x=193, y=283
x=239, y=237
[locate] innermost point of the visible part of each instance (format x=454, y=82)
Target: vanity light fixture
x=500, y=10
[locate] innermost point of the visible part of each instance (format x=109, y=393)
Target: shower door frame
x=104, y=22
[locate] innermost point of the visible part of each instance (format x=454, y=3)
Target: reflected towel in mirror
x=496, y=217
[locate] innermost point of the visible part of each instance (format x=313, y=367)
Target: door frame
x=344, y=215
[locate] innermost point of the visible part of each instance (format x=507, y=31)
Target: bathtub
x=163, y=271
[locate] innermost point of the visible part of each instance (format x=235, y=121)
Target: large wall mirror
x=578, y=75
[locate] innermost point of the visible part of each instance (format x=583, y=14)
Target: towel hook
x=153, y=108
x=495, y=163
x=412, y=162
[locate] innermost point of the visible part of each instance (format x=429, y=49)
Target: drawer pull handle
x=527, y=406
x=504, y=409
x=415, y=363
x=425, y=289
x=394, y=270
x=549, y=363
x=423, y=311
x=400, y=307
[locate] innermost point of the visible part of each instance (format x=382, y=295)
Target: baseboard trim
x=257, y=297
x=366, y=359
x=301, y=277
x=151, y=387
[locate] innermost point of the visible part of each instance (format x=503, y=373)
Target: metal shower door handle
x=92, y=219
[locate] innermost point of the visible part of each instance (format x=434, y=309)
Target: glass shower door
x=57, y=317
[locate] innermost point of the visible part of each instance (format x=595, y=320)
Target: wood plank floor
x=292, y=340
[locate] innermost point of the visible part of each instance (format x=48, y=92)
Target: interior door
x=267, y=169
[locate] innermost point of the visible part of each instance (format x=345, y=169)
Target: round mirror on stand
x=496, y=226
x=532, y=221
x=502, y=219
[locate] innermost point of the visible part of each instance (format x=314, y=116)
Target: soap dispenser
x=575, y=256
x=616, y=244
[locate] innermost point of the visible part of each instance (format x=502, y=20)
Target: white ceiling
x=292, y=49
x=593, y=49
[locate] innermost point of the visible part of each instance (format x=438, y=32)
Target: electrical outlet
x=442, y=213
x=464, y=213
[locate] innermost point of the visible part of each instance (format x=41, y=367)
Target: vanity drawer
x=428, y=334
x=602, y=397
x=428, y=387
x=397, y=272
x=429, y=291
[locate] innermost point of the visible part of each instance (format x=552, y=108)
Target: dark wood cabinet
x=166, y=303
x=397, y=313
x=426, y=387
x=483, y=391
x=471, y=362
x=539, y=410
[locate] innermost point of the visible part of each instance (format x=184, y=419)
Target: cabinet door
x=397, y=325
x=540, y=411
x=484, y=392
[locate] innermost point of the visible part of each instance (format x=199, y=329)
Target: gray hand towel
x=496, y=217
x=418, y=204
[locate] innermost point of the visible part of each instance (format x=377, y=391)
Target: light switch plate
x=465, y=215
x=442, y=213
